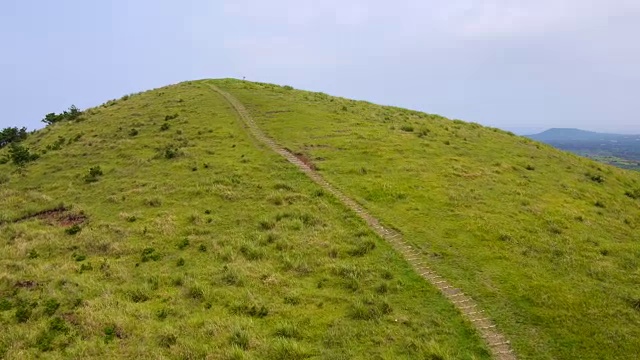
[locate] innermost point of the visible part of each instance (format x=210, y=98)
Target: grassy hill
x=197, y=243
x=194, y=241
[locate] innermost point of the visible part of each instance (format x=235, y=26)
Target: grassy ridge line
x=497, y=342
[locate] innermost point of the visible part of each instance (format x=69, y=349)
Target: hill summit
x=159, y=225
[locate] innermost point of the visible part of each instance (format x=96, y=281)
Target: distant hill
x=616, y=149
x=567, y=134
x=156, y=226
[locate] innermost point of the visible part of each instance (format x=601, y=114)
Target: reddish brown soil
x=304, y=158
x=59, y=216
x=63, y=218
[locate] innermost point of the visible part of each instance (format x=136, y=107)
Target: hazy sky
x=505, y=63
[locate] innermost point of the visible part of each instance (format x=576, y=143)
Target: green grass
x=198, y=243
x=546, y=241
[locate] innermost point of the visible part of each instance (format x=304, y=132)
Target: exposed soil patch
x=26, y=284
x=64, y=218
x=59, y=216
x=304, y=158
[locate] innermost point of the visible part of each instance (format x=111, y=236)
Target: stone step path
x=498, y=344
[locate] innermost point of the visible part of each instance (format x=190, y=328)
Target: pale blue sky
x=505, y=63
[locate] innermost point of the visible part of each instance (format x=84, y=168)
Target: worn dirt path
x=497, y=343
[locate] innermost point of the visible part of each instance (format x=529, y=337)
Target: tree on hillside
x=20, y=155
x=72, y=114
x=12, y=135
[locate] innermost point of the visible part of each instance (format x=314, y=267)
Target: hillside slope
x=198, y=242
x=192, y=241
x=546, y=241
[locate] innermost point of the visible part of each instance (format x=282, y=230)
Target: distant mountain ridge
x=620, y=150
x=572, y=134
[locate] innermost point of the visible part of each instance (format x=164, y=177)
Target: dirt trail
x=500, y=347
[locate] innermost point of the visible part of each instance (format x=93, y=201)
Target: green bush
x=150, y=254
x=171, y=152
x=22, y=314
x=73, y=230
x=407, y=128
x=20, y=155
x=182, y=244
x=634, y=194
x=12, y=135
x=50, y=307
x=94, y=174
x=72, y=114
x=596, y=178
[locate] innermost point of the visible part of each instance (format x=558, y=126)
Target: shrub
x=110, y=332
x=596, y=178
x=599, y=204
x=171, y=152
x=170, y=117
x=22, y=314
x=73, y=230
x=138, y=296
x=182, y=244
x=180, y=262
x=50, y=307
x=407, y=128
x=530, y=167
x=5, y=305
x=20, y=155
x=287, y=87
x=634, y=194
x=85, y=267
x=94, y=174
x=72, y=114
x=164, y=127
x=167, y=340
x=150, y=254
x=133, y=132
x=423, y=132
x=196, y=292
x=162, y=314
x=12, y=135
